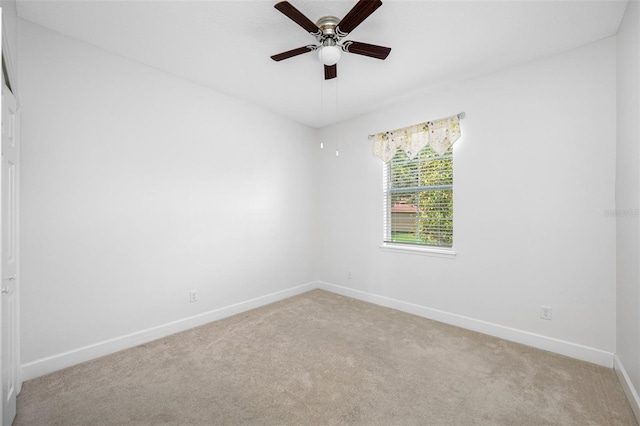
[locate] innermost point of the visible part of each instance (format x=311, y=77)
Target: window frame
x=409, y=247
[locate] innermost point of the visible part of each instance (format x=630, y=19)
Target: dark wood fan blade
x=356, y=15
x=296, y=16
x=292, y=53
x=330, y=71
x=371, y=50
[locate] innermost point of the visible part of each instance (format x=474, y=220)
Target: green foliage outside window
x=419, y=197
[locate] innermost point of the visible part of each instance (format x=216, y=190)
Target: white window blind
x=418, y=199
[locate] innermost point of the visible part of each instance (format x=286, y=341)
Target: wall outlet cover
x=545, y=312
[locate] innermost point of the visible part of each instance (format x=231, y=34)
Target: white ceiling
x=226, y=45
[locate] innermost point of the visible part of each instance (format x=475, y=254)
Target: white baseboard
x=56, y=362
x=629, y=389
x=562, y=347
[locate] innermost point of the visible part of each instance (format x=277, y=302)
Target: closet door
x=9, y=354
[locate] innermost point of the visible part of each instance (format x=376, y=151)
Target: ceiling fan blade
x=296, y=16
x=371, y=50
x=291, y=53
x=330, y=71
x=356, y=15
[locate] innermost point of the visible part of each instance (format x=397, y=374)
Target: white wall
x=138, y=187
x=628, y=194
x=534, y=176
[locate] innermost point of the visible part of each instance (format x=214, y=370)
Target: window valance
x=438, y=134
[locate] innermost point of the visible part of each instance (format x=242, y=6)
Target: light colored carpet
x=324, y=359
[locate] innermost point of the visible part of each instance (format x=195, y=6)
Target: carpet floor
x=324, y=359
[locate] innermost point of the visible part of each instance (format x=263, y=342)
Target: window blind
x=418, y=198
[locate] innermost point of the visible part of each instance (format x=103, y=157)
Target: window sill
x=446, y=253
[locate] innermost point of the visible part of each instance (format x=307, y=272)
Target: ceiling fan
x=329, y=31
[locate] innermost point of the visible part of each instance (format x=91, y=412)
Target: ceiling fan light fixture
x=329, y=32
x=329, y=55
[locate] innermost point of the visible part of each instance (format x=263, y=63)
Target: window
x=418, y=199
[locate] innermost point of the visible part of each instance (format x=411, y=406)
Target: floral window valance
x=438, y=134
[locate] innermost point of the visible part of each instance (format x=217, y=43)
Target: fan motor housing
x=327, y=25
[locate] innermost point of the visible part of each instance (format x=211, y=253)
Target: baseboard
x=57, y=362
x=629, y=389
x=562, y=347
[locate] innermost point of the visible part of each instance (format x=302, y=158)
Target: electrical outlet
x=349, y=275
x=545, y=312
x=193, y=296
